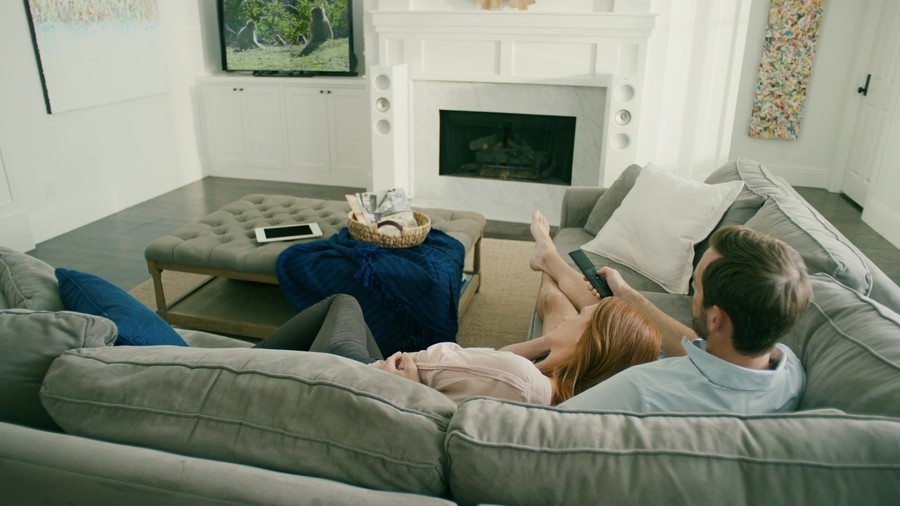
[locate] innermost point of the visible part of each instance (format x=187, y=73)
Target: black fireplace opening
x=518, y=147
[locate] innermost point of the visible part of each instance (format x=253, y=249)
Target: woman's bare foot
x=543, y=243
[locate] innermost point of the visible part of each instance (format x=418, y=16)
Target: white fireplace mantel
x=513, y=23
x=562, y=50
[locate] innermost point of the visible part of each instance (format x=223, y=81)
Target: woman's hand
x=401, y=364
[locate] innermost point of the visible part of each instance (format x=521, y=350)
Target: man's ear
x=717, y=319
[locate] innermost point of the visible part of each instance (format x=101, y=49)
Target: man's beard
x=698, y=323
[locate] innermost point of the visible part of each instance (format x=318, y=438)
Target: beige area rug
x=499, y=314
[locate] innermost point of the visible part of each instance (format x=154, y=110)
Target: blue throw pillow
x=137, y=324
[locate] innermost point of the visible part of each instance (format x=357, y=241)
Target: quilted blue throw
x=409, y=296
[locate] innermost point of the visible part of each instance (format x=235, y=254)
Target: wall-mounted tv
x=287, y=37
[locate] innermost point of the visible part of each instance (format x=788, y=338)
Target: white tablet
x=290, y=232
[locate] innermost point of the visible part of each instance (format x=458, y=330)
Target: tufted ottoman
x=242, y=297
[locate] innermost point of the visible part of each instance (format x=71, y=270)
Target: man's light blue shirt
x=699, y=383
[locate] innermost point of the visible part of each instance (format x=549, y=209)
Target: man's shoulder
x=637, y=388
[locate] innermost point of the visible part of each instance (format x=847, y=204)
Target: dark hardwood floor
x=113, y=247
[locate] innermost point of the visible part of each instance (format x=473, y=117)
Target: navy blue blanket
x=409, y=296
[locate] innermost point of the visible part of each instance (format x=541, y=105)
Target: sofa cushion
x=611, y=199
x=27, y=283
x=552, y=456
x=137, y=324
x=660, y=221
x=850, y=348
x=297, y=412
x=29, y=341
x=570, y=239
x=822, y=247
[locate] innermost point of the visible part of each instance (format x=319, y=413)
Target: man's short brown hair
x=762, y=284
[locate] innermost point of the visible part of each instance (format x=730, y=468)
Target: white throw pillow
x=659, y=222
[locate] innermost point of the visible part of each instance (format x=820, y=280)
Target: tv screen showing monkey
x=287, y=37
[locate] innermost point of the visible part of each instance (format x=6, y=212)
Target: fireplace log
x=485, y=142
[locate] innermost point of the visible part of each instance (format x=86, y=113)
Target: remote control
x=590, y=272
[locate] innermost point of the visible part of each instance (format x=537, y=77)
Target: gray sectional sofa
x=88, y=423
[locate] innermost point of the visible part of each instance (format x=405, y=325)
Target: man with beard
x=749, y=289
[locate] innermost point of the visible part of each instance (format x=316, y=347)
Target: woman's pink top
x=460, y=373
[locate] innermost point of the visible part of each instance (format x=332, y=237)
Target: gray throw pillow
x=611, y=199
x=27, y=283
x=30, y=341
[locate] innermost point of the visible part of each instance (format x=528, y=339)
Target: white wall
x=66, y=170
x=810, y=159
x=693, y=73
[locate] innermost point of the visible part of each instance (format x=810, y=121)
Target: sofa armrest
x=577, y=204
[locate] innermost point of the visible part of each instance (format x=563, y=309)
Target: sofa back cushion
x=29, y=342
x=502, y=452
x=821, y=246
x=296, y=412
x=611, y=199
x=786, y=215
x=27, y=283
x=849, y=346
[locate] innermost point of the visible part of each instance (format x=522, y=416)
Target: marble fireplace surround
x=563, y=57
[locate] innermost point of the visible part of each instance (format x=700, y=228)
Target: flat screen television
x=287, y=37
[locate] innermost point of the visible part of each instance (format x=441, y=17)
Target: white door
x=876, y=107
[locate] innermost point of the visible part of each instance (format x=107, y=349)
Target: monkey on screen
x=319, y=29
x=246, y=38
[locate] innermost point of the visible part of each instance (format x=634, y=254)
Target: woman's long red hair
x=618, y=337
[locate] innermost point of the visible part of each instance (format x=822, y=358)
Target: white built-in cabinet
x=305, y=130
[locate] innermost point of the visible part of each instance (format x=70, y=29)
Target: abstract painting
x=96, y=52
x=785, y=68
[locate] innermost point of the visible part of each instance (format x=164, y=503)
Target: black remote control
x=590, y=272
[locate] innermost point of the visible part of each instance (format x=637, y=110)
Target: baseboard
x=292, y=176
x=883, y=220
x=100, y=204
x=810, y=176
x=15, y=230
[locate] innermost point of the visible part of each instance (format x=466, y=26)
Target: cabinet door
x=351, y=138
x=224, y=125
x=263, y=127
x=308, y=129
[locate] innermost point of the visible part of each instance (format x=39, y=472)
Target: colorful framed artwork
x=785, y=68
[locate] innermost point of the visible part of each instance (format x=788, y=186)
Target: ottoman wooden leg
x=156, y=275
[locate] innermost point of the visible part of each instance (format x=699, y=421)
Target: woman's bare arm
x=532, y=349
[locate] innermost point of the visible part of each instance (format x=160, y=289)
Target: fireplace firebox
x=507, y=146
